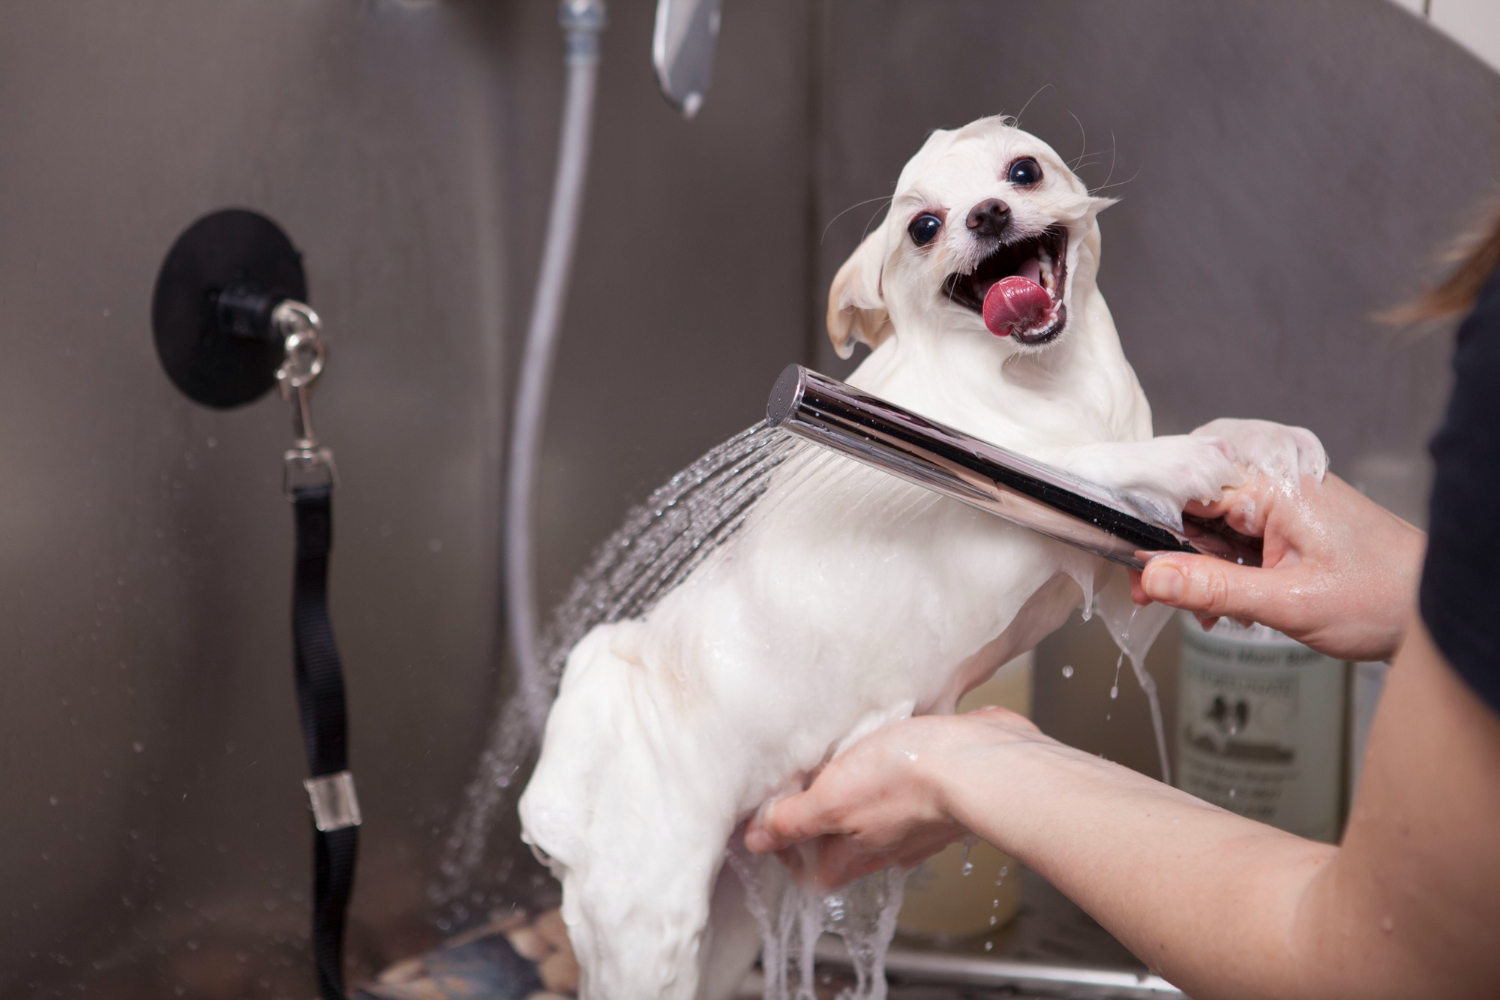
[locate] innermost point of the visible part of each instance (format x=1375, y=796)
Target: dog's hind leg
x=733, y=938
x=621, y=807
x=651, y=938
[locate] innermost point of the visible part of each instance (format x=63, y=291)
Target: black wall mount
x=211, y=310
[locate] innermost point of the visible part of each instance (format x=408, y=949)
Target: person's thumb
x=778, y=824
x=1209, y=587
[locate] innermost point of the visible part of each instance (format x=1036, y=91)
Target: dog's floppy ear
x=856, y=303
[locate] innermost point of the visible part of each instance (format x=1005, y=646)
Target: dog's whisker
x=866, y=231
x=857, y=204
x=1126, y=181
x=1113, y=146
x=935, y=267
x=1016, y=120
x=1084, y=144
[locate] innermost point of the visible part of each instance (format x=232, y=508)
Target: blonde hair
x=1475, y=258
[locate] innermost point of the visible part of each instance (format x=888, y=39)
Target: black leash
x=320, y=696
x=319, y=672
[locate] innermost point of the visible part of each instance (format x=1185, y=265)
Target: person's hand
x=1338, y=572
x=882, y=801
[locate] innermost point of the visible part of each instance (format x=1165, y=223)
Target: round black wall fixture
x=211, y=311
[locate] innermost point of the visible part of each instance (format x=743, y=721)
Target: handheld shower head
x=1045, y=499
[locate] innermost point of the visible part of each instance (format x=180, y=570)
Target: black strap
x=320, y=697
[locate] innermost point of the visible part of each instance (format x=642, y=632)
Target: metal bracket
x=335, y=806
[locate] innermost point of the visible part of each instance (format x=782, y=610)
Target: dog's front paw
x=1159, y=477
x=1183, y=468
x=1276, y=450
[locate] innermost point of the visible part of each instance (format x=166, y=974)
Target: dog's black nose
x=989, y=218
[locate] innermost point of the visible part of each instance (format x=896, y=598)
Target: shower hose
x=582, y=21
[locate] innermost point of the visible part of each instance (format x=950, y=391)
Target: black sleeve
x=1460, y=595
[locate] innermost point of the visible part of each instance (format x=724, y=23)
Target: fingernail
x=1163, y=583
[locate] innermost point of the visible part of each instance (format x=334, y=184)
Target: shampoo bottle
x=1260, y=727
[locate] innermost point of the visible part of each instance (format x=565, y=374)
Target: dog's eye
x=1024, y=172
x=924, y=228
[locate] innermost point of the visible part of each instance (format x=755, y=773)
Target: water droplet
x=989, y=946
x=1233, y=792
x=1387, y=924
x=1067, y=670
x=137, y=746
x=1114, y=692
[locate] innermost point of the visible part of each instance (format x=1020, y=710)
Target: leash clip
x=306, y=464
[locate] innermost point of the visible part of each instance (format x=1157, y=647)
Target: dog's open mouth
x=1018, y=288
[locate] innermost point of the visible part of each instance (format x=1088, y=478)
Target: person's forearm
x=1228, y=908
x=1206, y=898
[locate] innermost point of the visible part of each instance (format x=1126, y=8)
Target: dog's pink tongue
x=1016, y=302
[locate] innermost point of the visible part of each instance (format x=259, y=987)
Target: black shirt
x=1460, y=595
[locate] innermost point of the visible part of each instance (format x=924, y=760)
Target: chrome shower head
x=1048, y=500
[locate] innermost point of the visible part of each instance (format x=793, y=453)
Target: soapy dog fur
x=851, y=598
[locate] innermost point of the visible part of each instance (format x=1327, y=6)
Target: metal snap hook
x=306, y=349
x=305, y=464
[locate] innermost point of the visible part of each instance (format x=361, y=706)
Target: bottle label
x=1260, y=728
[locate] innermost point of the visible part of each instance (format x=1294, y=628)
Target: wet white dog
x=851, y=598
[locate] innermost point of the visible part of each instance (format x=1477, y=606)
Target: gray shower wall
x=153, y=832
x=149, y=754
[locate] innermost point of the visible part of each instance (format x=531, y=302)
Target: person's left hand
x=882, y=802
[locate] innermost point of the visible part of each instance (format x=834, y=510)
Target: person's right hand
x=1339, y=572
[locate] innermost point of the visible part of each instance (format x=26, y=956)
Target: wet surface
x=1051, y=949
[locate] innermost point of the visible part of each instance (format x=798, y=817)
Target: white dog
x=852, y=598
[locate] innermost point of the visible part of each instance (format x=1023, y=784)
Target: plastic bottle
x=1260, y=727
